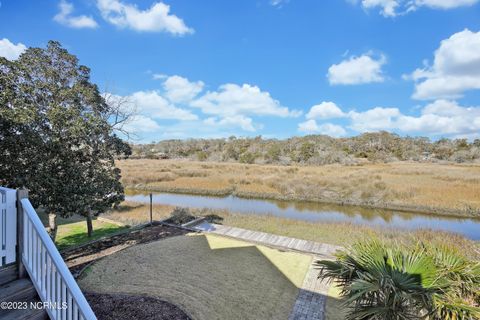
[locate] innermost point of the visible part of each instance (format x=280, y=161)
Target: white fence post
x=8, y=226
x=21, y=194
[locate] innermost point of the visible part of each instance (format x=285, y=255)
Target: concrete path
x=321, y=250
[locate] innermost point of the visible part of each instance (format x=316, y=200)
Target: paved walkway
x=312, y=297
x=321, y=250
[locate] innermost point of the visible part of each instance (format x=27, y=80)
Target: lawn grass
x=335, y=308
x=452, y=189
x=74, y=234
x=72, y=231
x=208, y=276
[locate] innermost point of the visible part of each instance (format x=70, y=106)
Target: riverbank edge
x=271, y=196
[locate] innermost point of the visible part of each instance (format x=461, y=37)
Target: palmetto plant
x=401, y=283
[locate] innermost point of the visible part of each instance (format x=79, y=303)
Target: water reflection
x=312, y=211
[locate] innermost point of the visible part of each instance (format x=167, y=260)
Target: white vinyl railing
x=8, y=226
x=53, y=281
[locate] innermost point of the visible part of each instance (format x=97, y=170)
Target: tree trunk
x=89, y=224
x=52, y=226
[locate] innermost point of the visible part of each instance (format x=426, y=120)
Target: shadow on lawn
x=223, y=280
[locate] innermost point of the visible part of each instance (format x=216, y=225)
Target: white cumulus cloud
x=455, y=69
x=11, y=51
x=374, y=119
x=243, y=122
x=157, y=18
x=311, y=126
x=441, y=117
x=325, y=110
x=180, y=89
x=387, y=7
x=444, y=4
x=152, y=104
x=392, y=8
x=357, y=70
x=65, y=17
x=232, y=99
x=141, y=124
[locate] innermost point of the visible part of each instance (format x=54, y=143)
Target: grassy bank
x=343, y=234
x=421, y=187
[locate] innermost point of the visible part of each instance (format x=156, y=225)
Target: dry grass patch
x=134, y=213
x=210, y=277
x=426, y=187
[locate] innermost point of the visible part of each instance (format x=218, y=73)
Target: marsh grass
x=337, y=233
x=424, y=187
x=134, y=213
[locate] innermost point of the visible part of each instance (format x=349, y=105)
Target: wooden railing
x=54, y=283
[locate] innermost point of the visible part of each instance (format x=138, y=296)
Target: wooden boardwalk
x=321, y=250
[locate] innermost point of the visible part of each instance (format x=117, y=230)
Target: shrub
x=247, y=157
x=180, y=216
x=380, y=281
x=202, y=155
x=213, y=218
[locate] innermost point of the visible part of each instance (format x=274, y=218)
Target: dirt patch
x=78, y=258
x=127, y=307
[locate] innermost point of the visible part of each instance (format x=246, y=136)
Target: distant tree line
x=313, y=149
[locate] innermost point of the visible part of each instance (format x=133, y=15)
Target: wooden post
x=21, y=194
x=151, y=210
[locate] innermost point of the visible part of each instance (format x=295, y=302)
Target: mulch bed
x=78, y=258
x=129, y=307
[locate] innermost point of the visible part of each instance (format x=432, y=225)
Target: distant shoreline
x=432, y=189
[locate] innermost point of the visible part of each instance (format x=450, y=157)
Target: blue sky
x=270, y=67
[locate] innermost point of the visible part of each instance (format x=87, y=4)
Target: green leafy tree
x=423, y=282
x=57, y=134
x=307, y=150
x=247, y=157
x=273, y=153
x=202, y=155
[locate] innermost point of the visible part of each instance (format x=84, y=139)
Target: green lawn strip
x=74, y=234
x=72, y=231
